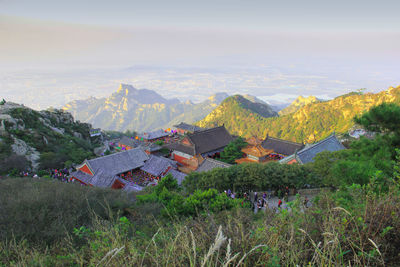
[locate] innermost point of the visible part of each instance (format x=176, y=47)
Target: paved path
x=273, y=203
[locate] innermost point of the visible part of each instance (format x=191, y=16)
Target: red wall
x=86, y=169
x=117, y=185
x=180, y=159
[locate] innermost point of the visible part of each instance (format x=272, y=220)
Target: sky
x=306, y=36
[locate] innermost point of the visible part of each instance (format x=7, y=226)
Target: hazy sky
x=313, y=36
x=163, y=32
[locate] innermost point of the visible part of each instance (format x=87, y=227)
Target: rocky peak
x=298, y=103
x=218, y=97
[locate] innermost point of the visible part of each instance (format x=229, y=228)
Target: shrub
x=45, y=211
x=252, y=176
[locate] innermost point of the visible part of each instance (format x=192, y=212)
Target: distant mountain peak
x=298, y=103
x=140, y=109
x=218, y=97
x=254, y=99
x=125, y=87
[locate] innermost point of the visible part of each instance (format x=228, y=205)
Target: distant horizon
x=276, y=100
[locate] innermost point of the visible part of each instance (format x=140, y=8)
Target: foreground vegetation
x=356, y=225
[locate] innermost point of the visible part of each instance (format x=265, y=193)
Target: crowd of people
x=264, y=200
x=58, y=174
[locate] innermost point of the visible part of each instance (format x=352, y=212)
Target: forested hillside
x=238, y=114
x=310, y=123
x=32, y=139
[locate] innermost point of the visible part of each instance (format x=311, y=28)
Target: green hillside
x=238, y=114
x=32, y=139
x=309, y=123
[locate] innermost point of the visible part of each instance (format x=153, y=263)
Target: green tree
x=384, y=118
x=233, y=150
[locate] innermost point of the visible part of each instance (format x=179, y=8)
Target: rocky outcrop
x=22, y=149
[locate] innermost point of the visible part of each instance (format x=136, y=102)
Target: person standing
x=279, y=203
x=306, y=202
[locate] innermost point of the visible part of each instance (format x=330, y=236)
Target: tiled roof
x=179, y=176
x=151, y=147
x=107, y=167
x=119, y=162
x=157, y=165
x=153, y=135
x=329, y=144
x=182, y=148
x=209, y=164
x=256, y=150
x=127, y=141
x=188, y=127
x=281, y=146
x=210, y=139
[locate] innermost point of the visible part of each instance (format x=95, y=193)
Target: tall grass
x=362, y=232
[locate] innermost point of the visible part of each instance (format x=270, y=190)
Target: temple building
x=184, y=128
x=154, y=136
x=129, y=170
x=127, y=143
x=308, y=153
x=270, y=149
x=209, y=164
x=254, y=152
x=191, y=151
x=281, y=148
x=106, y=171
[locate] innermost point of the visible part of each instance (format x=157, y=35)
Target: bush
x=45, y=211
x=251, y=177
x=14, y=163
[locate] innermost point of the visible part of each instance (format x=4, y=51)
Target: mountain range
x=140, y=110
x=306, y=120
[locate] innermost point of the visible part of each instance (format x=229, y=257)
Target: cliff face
x=26, y=134
x=140, y=110
x=309, y=123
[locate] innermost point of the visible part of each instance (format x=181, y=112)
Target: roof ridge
x=206, y=130
x=126, y=151
x=319, y=142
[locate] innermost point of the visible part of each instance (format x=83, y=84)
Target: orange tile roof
x=257, y=151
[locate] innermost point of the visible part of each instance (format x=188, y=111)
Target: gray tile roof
x=188, y=127
x=308, y=153
x=179, y=176
x=127, y=141
x=119, y=162
x=182, y=148
x=209, y=140
x=281, y=146
x=153, y=135
x=157, y=165
x=107, y=167
x=209, y=164
x=151, y=147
